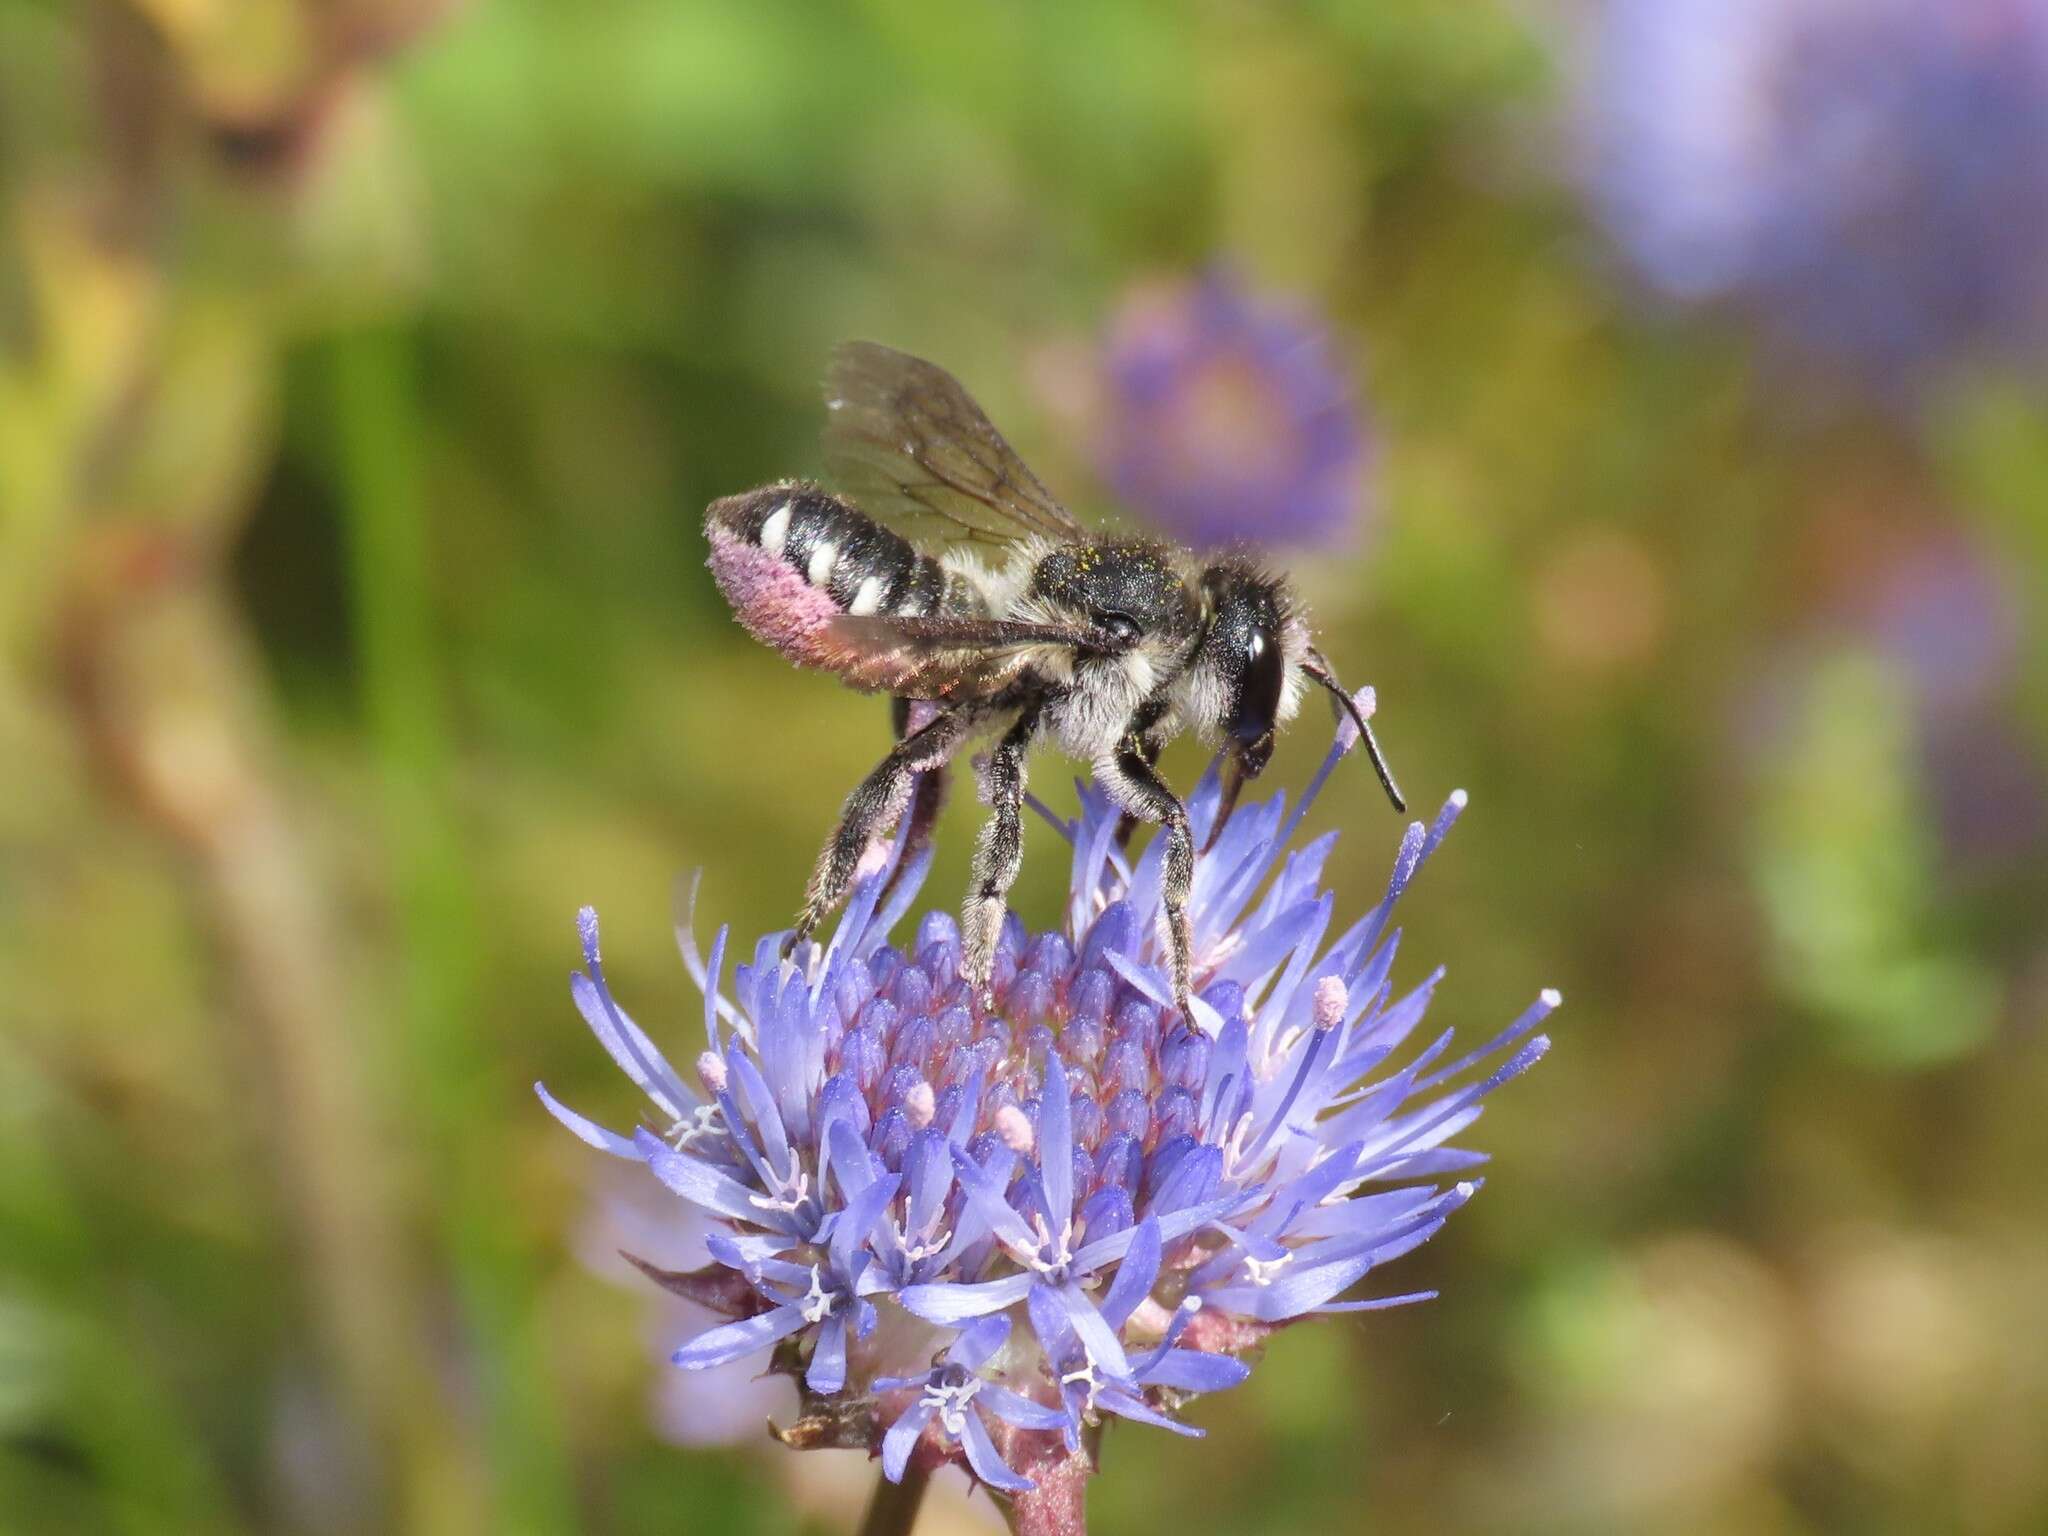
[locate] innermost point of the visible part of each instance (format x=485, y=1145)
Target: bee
x=949, y=578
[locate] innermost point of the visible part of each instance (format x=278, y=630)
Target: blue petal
x=950, y=1303
x=988, y=1466
x=978, y=1341
x=849, y=1159
x=1194, y=1370
x=1055, y=1333
x=1102, y=1344
x=1379, y=1303
x=731, y=1341
x=629, y=1047
x=587, y=1130
x=757, y=1267
x=1017, y=1409
x=827, y=1371
x=1134, y=1276
x=902, y=1439
x=929, y=1169
x=761, y=1107
x=1193, y=1180
x=1056, y=1143
x=854, y=1223
x=699, y=1183
x=1177, y=1225
x=1129, y=1407
x=987, y=1197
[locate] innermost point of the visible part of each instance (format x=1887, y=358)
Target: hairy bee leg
x=1135, y=785
x=928, y=789
x=998, y=853
x=872, y=811
x=1127, y=824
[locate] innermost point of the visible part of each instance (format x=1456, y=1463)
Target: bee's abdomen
x=835, y=548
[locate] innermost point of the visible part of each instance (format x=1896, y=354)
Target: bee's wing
x=911, y=447
x=943, y=658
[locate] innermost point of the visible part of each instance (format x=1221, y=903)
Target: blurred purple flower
x=896, y=1173
x=1869, y=174
x=689, y=1407
x=1949, y=619
x=1228, y=418
x=1948, y=616
x=1990, y=792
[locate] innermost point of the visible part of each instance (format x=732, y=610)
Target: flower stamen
x=1262, y=1271
x=817, y=1303
x=702, y=1123
x=787, y=1198
x=948, y=1393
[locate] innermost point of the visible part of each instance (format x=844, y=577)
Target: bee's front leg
x=1135, y=785
x=872, y=811
x=998, y=852
x=1126, y=824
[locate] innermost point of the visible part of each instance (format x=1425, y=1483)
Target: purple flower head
x=1229, y=419
x=984, y=1231
x=1867, y=174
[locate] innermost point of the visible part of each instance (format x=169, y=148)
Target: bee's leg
x=872, y=811
x=1127, y=824
x=1135, y=785
x=928, y=790
x=998, y=853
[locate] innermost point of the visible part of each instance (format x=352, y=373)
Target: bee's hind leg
x=873, y=809
x=927, y=791
x=998, y=852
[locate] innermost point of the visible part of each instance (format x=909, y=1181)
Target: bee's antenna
x=1319, y=671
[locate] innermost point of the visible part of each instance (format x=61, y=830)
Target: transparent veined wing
x=907, y=442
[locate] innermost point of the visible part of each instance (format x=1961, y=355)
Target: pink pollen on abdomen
x=778, y=607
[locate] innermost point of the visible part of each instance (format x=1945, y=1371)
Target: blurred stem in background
x=453, y=1105
x=155, y=1474
x=170, y=698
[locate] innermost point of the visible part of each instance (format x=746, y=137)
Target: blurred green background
x=364, y=371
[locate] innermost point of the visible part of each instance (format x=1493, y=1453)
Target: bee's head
x=1253, y=649
x=1255, y=662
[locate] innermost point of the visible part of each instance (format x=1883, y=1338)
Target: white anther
x=1052, y=1255
x=711, y=1068
x=1014, y=1127
x=1331, y=996
x=1262, y=1271
x=1268, y=1066
x=920, y=1105
x=703, y=1122
x=950, y=1401
x=1233, y=1145
x=787, y=1198
x=919, y=1249
x=817, y=1303
x=1086, y=1376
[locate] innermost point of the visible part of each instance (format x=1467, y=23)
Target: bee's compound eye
x=1258, y=687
